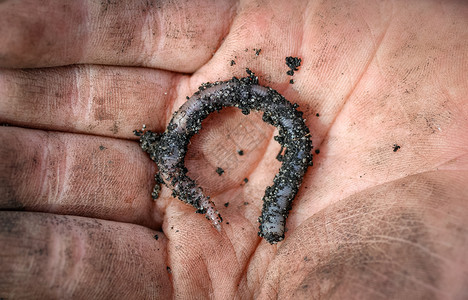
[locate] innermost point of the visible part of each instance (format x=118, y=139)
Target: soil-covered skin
x=168, y=149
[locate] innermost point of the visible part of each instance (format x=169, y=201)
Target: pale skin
x=369, y=222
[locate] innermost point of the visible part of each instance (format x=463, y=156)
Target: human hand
x=371, y=220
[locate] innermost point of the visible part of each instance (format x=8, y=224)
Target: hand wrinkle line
x=407, y=242
x=357, y=215
x=252, y=169
x=225, y=35
x=353, y=88
x=395, y=180
x=414, y=279
x=370, y=289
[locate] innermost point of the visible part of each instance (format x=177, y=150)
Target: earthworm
x=168, y=149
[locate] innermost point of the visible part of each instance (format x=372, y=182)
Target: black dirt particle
x=157, y=187
x=257, y=51
x=169, y=270
x=317, y=115
x=226, y=204
x=317, y=151
x=293, y=63
x=233, y=62
x=396, y=147
x=291, y=81
x=220, y=171
x=240, y=152
x=156, y=237
x=246, y=180
x=102, y=147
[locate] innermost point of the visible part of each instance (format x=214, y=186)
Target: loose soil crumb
x=220, y=171
x=293, y=63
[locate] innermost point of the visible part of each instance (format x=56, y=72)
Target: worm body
x=168, y=150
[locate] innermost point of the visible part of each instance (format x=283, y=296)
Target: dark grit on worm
x=169, y=148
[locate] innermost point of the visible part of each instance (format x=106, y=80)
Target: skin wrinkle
x=54, y=181
x=394, y=180
x=57, y=265
x=69, y=239
x=85, y=29
x=264, y=158
x=223, y=35
x=372, y=57
x=147, y=31
x=171, y=94
x=51, y=176
x=94, y=33
x=203, y=137
x=255, y=165
x=162, y=37
x=36, y=36
x=111, y=100
x=76, y=255
x=50, y=173
x=428, y=151
x=393, y=235
x=87, y=86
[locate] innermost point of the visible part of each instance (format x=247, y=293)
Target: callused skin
x=168, y=149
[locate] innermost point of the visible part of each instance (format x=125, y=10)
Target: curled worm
x=168, y=149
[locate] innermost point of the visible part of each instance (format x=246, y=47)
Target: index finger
x=135, y=33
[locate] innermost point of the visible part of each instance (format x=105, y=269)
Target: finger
x=111, y=32
x=76, y=174
x=46, y=256
x=111, y=101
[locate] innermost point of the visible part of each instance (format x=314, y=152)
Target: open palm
x=381, y=214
